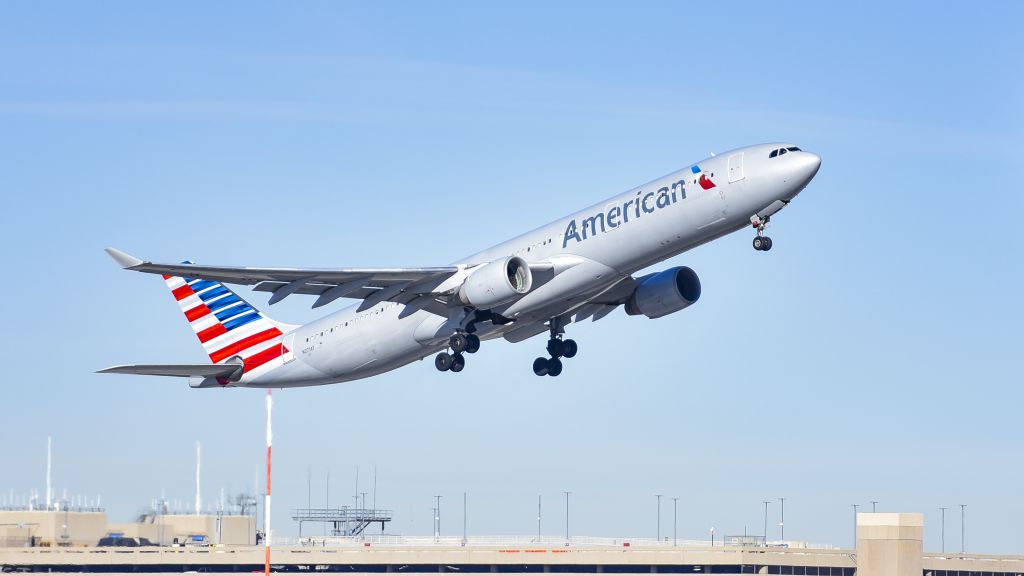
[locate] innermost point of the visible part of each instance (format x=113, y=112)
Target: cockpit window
x=781, y=151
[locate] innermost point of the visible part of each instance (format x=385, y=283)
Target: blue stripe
x=233, y=311
x=202, y=285
x=213, y=293
x=242, y=320
x=225, y=301
x=695, y=169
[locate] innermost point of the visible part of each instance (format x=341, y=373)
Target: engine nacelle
x=496, y=283
x=665, y=292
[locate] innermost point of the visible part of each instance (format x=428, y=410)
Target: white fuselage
x=597, y=246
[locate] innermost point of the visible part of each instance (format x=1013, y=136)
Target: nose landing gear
x=761, y=242
x=557, y=348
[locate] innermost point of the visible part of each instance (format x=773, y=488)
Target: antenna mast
x=49, y=472
x=199, y=453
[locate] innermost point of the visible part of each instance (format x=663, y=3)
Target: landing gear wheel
x=540, y=366
x=458, y=363
x=556, y=348
x=554, y=367
x=472, y=343
x=569, y=348
x=443, y=361
x=767, y=244
x=759, y=243
x=457, y=343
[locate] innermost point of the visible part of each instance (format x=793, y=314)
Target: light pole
x=712, y=536
x=675, y=522
x=437, y=515
x=855, y=506
x=782, y=520
x=566, y=492
x=766, y=502
x=658, y=496
x=943, y=508
x=874, y=503
x=963, y=548
x=433, y=512
x=64, y=535
x=464, y=517
x=538, y=517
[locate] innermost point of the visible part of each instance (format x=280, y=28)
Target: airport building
x=76, y=527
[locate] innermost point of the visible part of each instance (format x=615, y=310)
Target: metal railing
x=23, y=508
x=345, y=522
x=341, y=514
x=512, y=541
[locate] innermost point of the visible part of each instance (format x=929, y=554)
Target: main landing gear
x=557, y=348
x=456, y=361
x=761, y=242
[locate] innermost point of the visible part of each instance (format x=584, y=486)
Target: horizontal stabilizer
x=180, y=370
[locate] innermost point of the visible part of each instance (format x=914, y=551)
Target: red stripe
x=197, y=312
x=243, y=344
x=211, y=332
x=166, y=277
x=260, y=358
x=182, y=292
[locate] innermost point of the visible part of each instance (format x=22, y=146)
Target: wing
x=181, y=370
x=421, y=288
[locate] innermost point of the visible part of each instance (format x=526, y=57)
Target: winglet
x=123, y=260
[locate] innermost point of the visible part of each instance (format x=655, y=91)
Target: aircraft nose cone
x=808, y=166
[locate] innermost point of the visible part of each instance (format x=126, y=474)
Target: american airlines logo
x=615, y=215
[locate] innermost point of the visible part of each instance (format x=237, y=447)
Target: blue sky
x=872, y=355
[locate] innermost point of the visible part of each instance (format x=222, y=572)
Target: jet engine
x=496, y=283
x=664, y=292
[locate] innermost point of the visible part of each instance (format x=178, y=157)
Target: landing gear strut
x=761, y=242
x=557, y=348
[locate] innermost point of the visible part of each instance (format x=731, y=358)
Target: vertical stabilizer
x=227, y=326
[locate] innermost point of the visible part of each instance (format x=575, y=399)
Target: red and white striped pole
x=266, y=502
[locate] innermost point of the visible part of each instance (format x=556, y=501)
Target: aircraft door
x=736, y=168
x=288, y=347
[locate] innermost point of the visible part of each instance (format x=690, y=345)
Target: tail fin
x=227, y=326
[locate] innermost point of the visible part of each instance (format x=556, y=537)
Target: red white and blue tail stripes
x=228, y=326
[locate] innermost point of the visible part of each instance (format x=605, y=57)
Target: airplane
x=576, y=268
